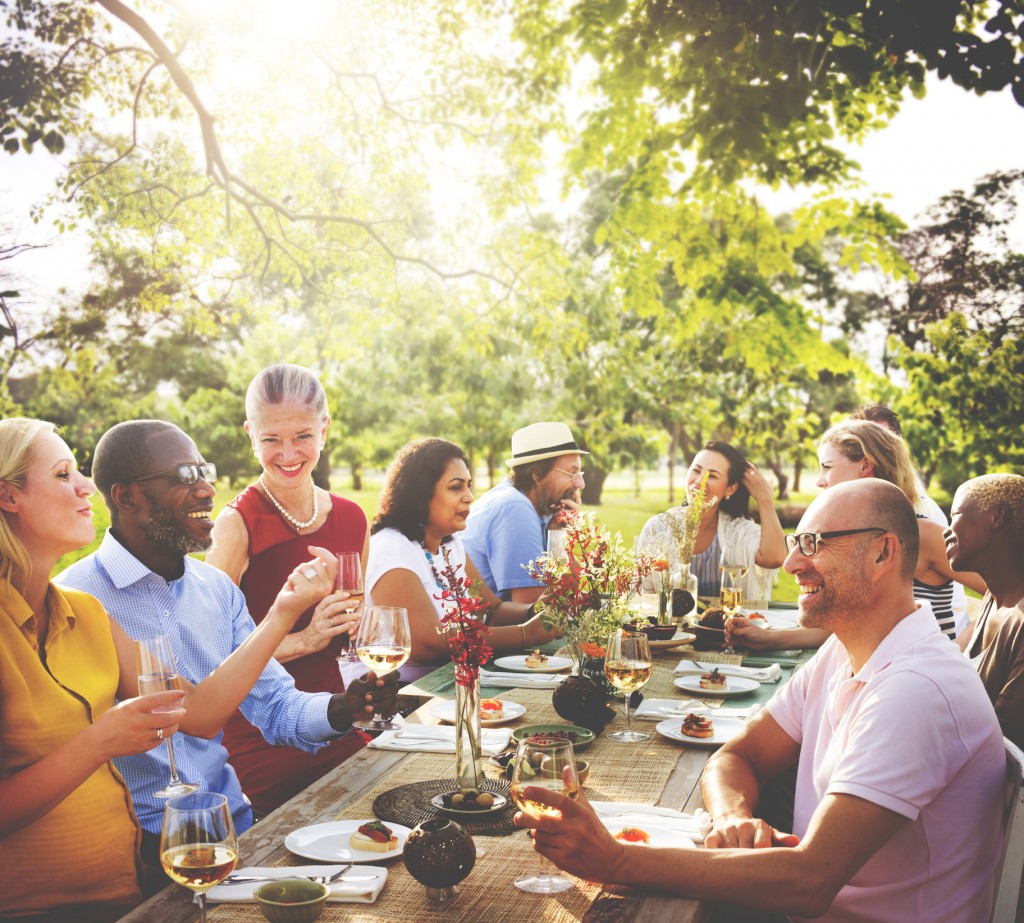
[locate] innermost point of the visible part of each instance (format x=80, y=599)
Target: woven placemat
x=410, y=805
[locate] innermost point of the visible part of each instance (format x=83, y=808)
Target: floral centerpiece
x=588, y=591
x=462, y=626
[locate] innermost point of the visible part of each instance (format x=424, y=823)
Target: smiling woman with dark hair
x=423, y=508
x=726, y=531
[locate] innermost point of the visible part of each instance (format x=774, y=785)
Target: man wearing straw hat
x=507, y=527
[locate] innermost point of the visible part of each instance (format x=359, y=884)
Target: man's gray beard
x=173, y=535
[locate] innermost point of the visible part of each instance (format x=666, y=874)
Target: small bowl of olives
x=465, y=802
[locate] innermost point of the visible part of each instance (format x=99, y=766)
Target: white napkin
x=361, y=884
x=521, y=680
x=694, y=826
x=660, y=709
x=769, y=674
x=434, y=739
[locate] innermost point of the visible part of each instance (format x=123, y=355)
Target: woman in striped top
x=861, y=449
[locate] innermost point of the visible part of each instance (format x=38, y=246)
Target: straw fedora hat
x=542, y=440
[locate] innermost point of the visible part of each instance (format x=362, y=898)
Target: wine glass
x=731, y=593
x=158, y=673
x=628, y=667
x=350, y=580
x=556, y=545
x=550, y=763
x=198, y=847
x=383, y=644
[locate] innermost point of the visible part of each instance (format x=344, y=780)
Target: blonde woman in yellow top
x=69, y=698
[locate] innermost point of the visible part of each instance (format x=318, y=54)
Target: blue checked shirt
x=204, y=615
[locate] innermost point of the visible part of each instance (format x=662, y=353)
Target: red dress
x=270, y=775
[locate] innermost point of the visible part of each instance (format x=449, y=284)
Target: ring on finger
x=310, y=574
x=159, y=733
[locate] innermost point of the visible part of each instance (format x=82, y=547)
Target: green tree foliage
x=961, y=410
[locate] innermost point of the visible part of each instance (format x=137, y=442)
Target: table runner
x=619, y=772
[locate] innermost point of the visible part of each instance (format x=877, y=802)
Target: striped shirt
x=707, y=567
x=204, y=615
x=941, y=600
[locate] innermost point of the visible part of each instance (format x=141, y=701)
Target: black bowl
x=708, y=639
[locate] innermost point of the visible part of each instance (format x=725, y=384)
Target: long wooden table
x=658, y=771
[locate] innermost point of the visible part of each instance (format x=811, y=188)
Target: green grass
x=621, y=511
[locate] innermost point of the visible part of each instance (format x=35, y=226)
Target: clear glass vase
x=683, y=596
x=468, y=759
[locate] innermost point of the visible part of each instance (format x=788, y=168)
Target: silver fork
x=320, y=879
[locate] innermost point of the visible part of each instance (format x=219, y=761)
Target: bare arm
x=230, y=549
x=129, y=727
x=748, y=636
x=511, y=630
x=526, y=594
x=771, y=552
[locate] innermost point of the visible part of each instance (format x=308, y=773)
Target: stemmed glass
x=628, y=667
x=158, y=673
x=350, y=580
x=383, y=644
x=550, y=763
x=198, y=847
x=731, y=593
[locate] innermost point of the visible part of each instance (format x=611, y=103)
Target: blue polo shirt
x=503, y=533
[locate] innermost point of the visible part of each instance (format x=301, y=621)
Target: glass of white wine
x=730, y=595
x=628, y=667
x=350, y=580
x=549, y=763
x=198, y=847
x=159, y=673
x=383, y=645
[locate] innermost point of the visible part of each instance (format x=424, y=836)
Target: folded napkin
x=769, y=674
x=694, y=826
x=434, y=739
x=521, y=680
x=361, y=884
x=660, y=709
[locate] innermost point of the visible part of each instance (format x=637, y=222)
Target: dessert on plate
x=373, y=837
x=492, y=710
x=633, y=835
x=697, y=726
x=712, y=680
x=536, y=659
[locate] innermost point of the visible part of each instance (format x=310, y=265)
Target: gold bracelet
x=522, y=628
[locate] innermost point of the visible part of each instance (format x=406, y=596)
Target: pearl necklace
x=288, y=516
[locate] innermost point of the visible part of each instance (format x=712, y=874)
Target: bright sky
x=935, y=145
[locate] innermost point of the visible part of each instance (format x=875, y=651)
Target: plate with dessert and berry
x=348, y=841
x=534, y=662
x=700, y=730
x=715, y=683
x=492, y=711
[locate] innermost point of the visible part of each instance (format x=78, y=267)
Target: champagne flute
x=628, y=667
x=350, y=580
x=383, y=644
x=158, y=673
x=549, y=763
x=198, y=847
x=731, y=593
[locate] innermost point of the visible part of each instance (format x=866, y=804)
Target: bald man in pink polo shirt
x=899, y=755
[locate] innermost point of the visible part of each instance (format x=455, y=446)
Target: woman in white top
x=726, y=533
x=423, y=507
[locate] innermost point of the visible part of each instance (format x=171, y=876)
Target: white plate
x=329, y=842
x=500, y=802
x=725, y=729
x=660, y=836
x=518, y=664
x=444, y=710
x=774, y=618
x=734, y=685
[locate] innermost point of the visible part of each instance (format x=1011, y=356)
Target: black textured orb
x=439, y=853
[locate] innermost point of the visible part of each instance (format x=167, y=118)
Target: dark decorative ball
x=581, y=701
x=439, y=853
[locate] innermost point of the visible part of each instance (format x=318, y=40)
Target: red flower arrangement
x=462, y=624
